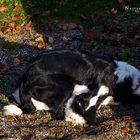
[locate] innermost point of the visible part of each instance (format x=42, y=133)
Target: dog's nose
x=90, y=116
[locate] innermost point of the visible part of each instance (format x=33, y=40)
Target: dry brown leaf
x=17, y=30
x=9, y=40
x=11, y=24
x=16, y=6
x=105, y=127
x=41, y=45
x=6, y=30
x=16, y=61
x=3, y=133
x=47, y=120
x=16, y=17
x=28, y=26
x=125, y=129
x=10, y=118
x=3, y=8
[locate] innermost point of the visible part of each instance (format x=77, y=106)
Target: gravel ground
x=117, y=36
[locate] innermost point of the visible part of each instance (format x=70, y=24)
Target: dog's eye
x=80, y=102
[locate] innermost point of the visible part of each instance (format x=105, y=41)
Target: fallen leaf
x=105, y=127
x=3, y=133
x=54, y=132
x=41, y=45
x=17, y=30
x=3, y=8
x=125, y=129
x=16, y=17
x=6, y=30
x=10, y=118
x=92, y=35
x=16, y=61
x=9, y=40
x=28, y=26
x=47, y=120
x=11, y=24
x=39, y=39
x=41, y=42
x=16, y=6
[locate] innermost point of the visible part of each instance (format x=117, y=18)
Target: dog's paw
x=11, y=110
x=108, y=101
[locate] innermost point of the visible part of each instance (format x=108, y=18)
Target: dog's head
x=81, y=107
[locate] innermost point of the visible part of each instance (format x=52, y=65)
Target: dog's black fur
x=52, y=76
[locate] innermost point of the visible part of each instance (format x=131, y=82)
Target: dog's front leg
x=26, y=103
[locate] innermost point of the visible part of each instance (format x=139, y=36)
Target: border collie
x=74, y=84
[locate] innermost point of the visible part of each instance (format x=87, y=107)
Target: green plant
x=125, y=55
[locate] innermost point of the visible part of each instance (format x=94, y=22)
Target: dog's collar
x=138, y=85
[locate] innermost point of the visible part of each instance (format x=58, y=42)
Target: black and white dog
x=74, y=84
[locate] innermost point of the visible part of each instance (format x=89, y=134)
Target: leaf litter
x=112, y=123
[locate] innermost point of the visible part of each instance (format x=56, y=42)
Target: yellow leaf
x=39, y=39
x=3, y=8
x=41, y=45
x=9, y=40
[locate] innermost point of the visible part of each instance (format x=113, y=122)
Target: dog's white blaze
x=102, y=91
x=78, y=89
x=72, y=116
x=39, y=105
x=12, y=110
x=69, y=114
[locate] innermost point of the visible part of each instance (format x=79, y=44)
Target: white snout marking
x=103, y=90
